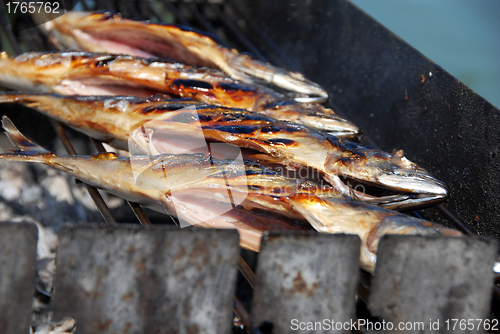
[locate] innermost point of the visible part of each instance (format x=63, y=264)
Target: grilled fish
x=99, y=74
x=208, y=192
x=107, y=32
x=158, y=125
x=371, y=223
x=198, y=189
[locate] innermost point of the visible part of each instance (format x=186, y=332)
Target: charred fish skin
x=394, y=171
x=108, y=32
x=110, y=119
x=171, y=180
x=81, y=73
x=159, y=128
x=297, y=146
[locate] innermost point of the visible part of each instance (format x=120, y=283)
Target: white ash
x=65, y=326
x=45, y=195
x=48, y=199
x=6, y=211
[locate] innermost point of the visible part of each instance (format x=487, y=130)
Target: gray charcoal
x=17, y=276
x=137, y=280
x=428, y=280
x=305, y=278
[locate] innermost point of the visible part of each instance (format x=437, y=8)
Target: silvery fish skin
x=82, y=73
x=107, y=32
x=160, y=125
x=210, y=192
x=370, y=223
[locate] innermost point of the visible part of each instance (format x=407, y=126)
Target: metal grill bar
x=290, y=63
x=247, y=272
x=455, y=220
x=242, y=313
x=7, y=31
x=171, y=7
x=84, y=6
x=204, y=23
x=237, y=31
x=93, y=192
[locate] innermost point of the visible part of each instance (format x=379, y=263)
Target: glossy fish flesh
x=82, y=73
x=209, y=192
x=107, y=32
x=161, y=125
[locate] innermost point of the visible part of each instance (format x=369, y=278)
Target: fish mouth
x=392, y=181
x=417, y=191
x=407, y=191
x=414, y=182
x=408, y=201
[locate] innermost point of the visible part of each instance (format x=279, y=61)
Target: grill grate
x=222, y=20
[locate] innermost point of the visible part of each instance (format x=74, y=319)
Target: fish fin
x=353, y=195
x=19, y=140
x=335, y=215
x=303, y=204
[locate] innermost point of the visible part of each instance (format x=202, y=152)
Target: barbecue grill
x=397, y=96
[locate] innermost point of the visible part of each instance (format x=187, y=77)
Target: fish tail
x=25, y=147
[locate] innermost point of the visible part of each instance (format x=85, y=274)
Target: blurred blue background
x=462, y=36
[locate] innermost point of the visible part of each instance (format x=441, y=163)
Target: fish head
x=398, y=224
x=398, y=182
x=336, y=214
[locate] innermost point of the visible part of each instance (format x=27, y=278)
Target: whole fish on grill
x=161, y=125
x=102, y=74
x=208, y=192
x=198, y=189
x=107, y=32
